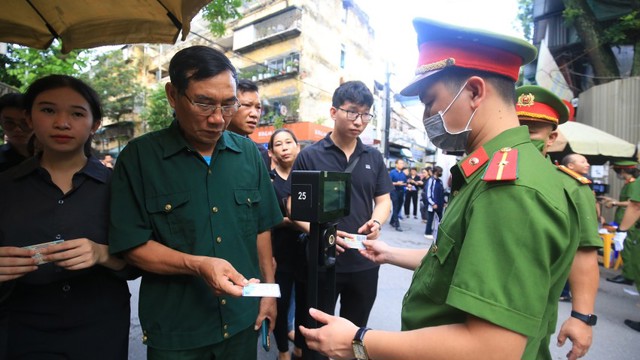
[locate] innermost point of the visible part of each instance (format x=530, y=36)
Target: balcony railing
x=276, y=28
x=278, y=68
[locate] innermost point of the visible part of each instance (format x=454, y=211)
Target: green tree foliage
x=158, y=114
x=578, y=13
x=7, y=63
x=626, y=31
x=29, y=64
x=115, y=80
x=525, y=17
x=219, y=12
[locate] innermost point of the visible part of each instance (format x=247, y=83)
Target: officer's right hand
x=618, y=240
x=223, y=278
x=376, y=251
x=16, y=262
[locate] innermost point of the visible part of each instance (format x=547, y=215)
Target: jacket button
x=214, y=209
x=167, y=207
x=66, y=287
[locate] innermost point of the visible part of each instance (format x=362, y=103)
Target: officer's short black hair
x=355, y=92
x=11, y=100
x=568, y=159
x=245, y=85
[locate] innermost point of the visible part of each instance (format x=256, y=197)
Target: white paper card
x=355, y=242
x=37, y=247
x=261, y=290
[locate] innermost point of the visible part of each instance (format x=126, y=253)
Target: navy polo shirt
x=369, y=179
x=397, y=175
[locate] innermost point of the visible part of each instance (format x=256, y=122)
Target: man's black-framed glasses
x=10, y=125
x=353, y=115
x=209, y=109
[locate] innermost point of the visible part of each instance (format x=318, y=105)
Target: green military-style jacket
x=503, y=250
x=631, y=251
x=585, y=203
x=164, y=190
x=624, y=196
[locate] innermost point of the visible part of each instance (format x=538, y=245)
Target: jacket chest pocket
x=247, y=202
x=172, y=220
x=436, y=271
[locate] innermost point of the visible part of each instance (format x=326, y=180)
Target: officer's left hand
x=618, y=240
x=580, y=334
x=269, y=310
x=333, y=339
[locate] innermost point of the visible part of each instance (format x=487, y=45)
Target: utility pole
x=387, y=114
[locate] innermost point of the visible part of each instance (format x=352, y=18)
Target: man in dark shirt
x=16, y=130
x=435, y=199
x=356, y=277
x=399, y=181
x=245, y=120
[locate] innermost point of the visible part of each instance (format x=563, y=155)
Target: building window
x=343, y=55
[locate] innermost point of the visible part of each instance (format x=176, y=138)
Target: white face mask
x=440, y=136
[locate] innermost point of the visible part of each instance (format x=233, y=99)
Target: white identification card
x=355, y=242
x=261, y=290
x=37, y=247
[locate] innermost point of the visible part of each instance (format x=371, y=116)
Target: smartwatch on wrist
x=590, y=319
x=359, y=350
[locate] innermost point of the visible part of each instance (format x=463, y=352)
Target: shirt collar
x=93, y=169
x=175, y=142
x=327, y=142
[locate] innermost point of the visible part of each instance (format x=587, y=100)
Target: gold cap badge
x=526, y=99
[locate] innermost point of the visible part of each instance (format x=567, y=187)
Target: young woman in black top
x=69, y=300
x=284, y=148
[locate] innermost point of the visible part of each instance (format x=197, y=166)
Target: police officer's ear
x=477, y=89
x=552, y=138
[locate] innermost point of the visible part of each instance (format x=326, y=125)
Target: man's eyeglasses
x=9, y=125
x=208, y=109
x=353, y=115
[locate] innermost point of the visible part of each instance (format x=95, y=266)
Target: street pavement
x=612, y=339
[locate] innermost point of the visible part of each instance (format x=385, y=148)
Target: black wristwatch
x=587, y=319
x=359, y=350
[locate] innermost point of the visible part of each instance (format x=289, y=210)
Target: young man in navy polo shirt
x=356, y=277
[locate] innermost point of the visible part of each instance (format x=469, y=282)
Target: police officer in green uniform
x=625, y=170
x=180, y=212
x=541, y=111
x=489, y=284
x=628, y=225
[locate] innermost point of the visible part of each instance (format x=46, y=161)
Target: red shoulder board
x=503, y=166
x=573, y=174
x=474, y=161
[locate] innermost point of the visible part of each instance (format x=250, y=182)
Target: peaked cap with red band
x=625, y=164
x=536, y=103
x=444, y=46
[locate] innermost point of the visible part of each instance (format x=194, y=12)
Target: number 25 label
x=302, y=195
